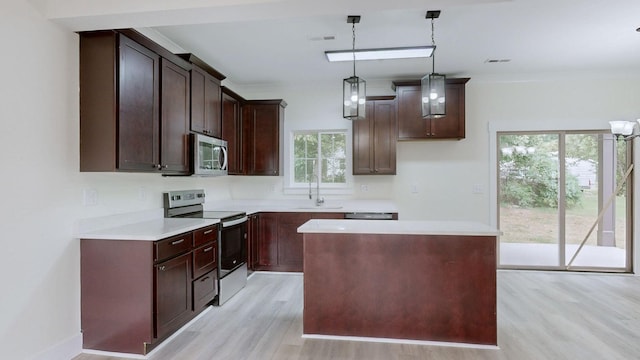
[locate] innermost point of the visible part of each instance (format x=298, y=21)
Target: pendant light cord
x=353, y=30
x=433, y=43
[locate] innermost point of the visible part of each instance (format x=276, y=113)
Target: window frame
x=293, y=187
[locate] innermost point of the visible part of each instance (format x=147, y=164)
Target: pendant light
x=433, y=85
x=353, y=88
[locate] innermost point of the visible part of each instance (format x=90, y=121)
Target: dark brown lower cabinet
x=267, y=245
x=205, y=288
x=172, y=294
x=135, y=293
x=253, y=231
x=279, y=246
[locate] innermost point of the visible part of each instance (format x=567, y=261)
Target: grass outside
x=540, y=225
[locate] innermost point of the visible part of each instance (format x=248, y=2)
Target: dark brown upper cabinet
x=411, y=125
x=174, y=119
x=134, y=104
x=263, y=136
x=232, y=130
x=206, y=97
x=374, y=138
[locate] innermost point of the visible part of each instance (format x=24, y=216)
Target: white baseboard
x=64, y=350
x=401, y=341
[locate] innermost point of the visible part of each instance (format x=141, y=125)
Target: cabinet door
x=205, y=103
x=267, y=241
x=138, y=107
x=452, y=125
x=290, y=249
x=261, y=138
x=384, y=137
x=374, y=139
x=172, y=305
x=362, y=142
x=253, y=236
x=175, y=92
x=411, y=125
x=231, y=130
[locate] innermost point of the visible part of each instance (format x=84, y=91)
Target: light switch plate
x=90, y=197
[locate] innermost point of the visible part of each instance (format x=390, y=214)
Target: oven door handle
x=234, y=222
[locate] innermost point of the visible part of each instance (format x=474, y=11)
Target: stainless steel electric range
x=232, y=238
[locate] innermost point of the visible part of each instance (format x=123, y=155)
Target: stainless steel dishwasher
x=369, y=216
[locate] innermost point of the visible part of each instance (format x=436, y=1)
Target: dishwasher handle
x=368, y=216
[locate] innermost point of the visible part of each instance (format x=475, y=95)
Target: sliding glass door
x=563, y=201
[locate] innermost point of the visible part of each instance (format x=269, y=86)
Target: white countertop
x=150, y=230
x=151, y=225
x=398, y=227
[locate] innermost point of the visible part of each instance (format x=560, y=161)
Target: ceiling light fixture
x=623, y=129
x=433, y=85
x=380, y=53
x=353, y=88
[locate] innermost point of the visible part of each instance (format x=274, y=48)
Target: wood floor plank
x=541, y=315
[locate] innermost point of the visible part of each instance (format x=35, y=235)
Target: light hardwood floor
x=541, y=315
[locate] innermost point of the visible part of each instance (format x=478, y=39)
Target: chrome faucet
x=319, y=200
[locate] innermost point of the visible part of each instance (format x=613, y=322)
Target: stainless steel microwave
x=209, y=155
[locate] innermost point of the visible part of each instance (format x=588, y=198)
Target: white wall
x=446, y=173
x=42, y=190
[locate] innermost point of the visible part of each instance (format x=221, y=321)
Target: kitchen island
x=415, y=280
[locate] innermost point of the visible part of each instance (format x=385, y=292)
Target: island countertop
x=399, y=227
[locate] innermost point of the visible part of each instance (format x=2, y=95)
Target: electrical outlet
x=90, y=197
x=478, y=189
x=364, y=187
x=414, y=188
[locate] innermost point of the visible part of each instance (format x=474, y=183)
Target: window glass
x=320, y=152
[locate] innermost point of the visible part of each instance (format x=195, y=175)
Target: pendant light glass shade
x=433, y=96
x=354, y=98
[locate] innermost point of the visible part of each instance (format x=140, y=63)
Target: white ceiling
x=262, y=42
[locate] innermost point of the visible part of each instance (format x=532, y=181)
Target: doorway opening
x=564, y=201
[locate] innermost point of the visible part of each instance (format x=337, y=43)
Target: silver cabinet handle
x=208, y=249
x=208, y=232
x=177, y=242
x=162, y=268
x=204, y=278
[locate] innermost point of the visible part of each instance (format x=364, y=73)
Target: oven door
x=233, y=245
x=209, y=156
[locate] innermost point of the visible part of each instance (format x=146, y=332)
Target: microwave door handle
x=224, y=153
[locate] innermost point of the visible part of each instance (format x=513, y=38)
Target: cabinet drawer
x=204, y=259
x=205, y=235
x=168, y=248
x=205, y=289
